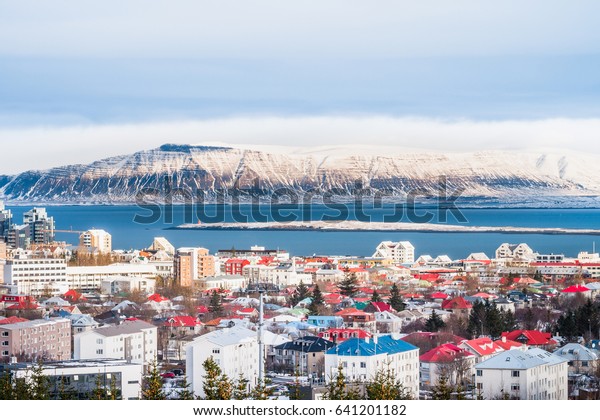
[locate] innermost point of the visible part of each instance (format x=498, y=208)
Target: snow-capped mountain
x=503, y=176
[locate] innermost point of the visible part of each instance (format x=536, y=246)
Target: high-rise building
x=193, y=264
x=96, y=240
x=19, y=236
x=5, y=221
x=41, y=226
x=36, y=276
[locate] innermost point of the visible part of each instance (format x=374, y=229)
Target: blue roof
x=360, y=347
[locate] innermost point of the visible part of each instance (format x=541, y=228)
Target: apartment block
x=193, y=264
x=36, y=276
x=96, y=240
x=48, y=339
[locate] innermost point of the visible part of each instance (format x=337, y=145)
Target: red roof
x=382, y=306
x=157, y=298
x=12, y=320
x=508, y=344
x=247, y=311
x=456, y=303
x=444, y=353
x=530, y=337
x=202, y=309
x=22, y=306
x=439, y=295
x=342, y=334
x=576, y=288
x=182, y=321
x=483, y=346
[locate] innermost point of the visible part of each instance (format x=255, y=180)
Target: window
x=515, y=374
x=584, y=363
x=515, y=387
x=5, y=353
x=5, y=343
x=99, y=351
x=4, y=333
x=216, y=351
x=99, y=341
x=479, y=372
x=363, y=365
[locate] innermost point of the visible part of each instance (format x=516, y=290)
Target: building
x=361, y=359
x=88, y=279
x=162, y=244
x=354, y=318
x=81, y=377
x=339, y=335
x=534, y=374
x=123, y=284
x=41, y=226
x=5, y=221
x=483, y=348
x=531, y=338
x=49, y=339
x=234, y=349
x=402, y=252
x=134, y=341
x=236, y=283
x=36, y=276
x=96, y=241
x=235, y=266
x=192, y=264
x=448, y=360
x=18, y=236
x=514, y=251
x=581, y=360
x=305, y=355
x=325, y=322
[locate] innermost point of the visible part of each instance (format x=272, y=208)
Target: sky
x=81, y=80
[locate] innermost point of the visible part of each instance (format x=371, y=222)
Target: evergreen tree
x=261, y=391
x=337, y=390
x=349, y=285
x=302, y=292
x=186, y=393
x=385, y=386
x=375, y=297
x=395, y=299
x=65, y=392
x=217, y=386
x=442, y=390
x=240, y=391
x=493, y=321
x=215, y=305
x=39, y=384
x=99, y=393
x=434, y=322
x=294, y=389
x=476, y=326
x=318, y=302
x=508, y=320
x=6, y=386
x=567, y=326
x=152, y=384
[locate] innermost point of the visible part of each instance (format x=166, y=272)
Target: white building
x=90, y=278
x=162, y=244
x=534, y=374
x=234, y=349
x=118, y=284
x=514, y=251
x=402, y=252
x=361, y=359
x=82, y=376
x=222, y=282
x=135, y=341
x=580, y=358
x=36, y=276
x=96, y=240
x=286, y=275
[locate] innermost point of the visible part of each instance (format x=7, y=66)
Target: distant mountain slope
x=500, y=175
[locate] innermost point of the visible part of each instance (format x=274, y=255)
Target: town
x=86, y=321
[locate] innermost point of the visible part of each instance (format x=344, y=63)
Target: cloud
x=270, y=28
x=39, y=148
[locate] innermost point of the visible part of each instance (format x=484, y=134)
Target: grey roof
x=128, y=327
x=547, y=357
x=511, y=360
x=575, y=351
x=228, y=336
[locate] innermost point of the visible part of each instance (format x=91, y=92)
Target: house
x=304, y=355
x=534, y=374
x=135, y=341
x=387, y=322
x=374, y=307
x=483, y=348
x=235, y=266
x=80, y=322
x=49, y=339
x=458, y=305
x=532, y=338
x=361, y=359
x=183, y=325
x=581, y=360
x=339, y=335
x=234, y=350
x=514, y=251
x=449, y=360
x=324, y=322
x=354, y=318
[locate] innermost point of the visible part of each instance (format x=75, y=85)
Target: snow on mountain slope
x=499, y=174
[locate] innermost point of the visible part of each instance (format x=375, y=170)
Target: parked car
x=178, y=372
x=168, y=375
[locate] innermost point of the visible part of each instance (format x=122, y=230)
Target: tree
x=476, y=323
x=39, y=384
x=349, y=285
x=318, y=302
x=493, y=321
x=261, y=391
x=217, y=385
x=395, y=299
x=337, y=390
x=442, y=390
x=375, y=297
x=294, y=390
x=6, y=386
x=215, y=306
x=152, y=384
x=434, y=322
x=240, y=391
x=302, y=292
x=385, y=386
x=186, y=393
